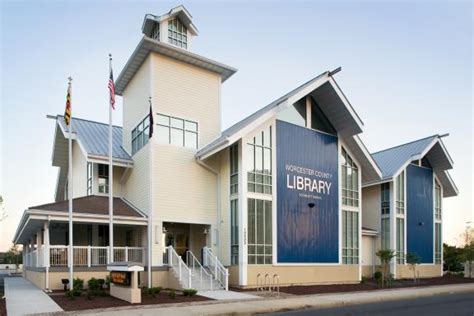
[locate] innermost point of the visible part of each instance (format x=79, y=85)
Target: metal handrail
x=267, y=277
x=177, y=263
x=276, y=285
x=260, y=286
x=221, y=274
x=194, y=260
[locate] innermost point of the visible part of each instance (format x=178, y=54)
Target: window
x=438, y=198
x=234, y=169
x=385, y=233
x=438, y=243
x=177, y=131
x=350, y=237
x=385, y=189
x=259, y=231
x=350, y=181
x=155, y=32
x=89, y=178
x=103, y=178
x=259, y=169
x=234, y=232
x=177, y=33
x=400, y=193
x=140, y=135
x=400, y=240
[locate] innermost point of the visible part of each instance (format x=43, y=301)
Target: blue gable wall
x=420, y=212
x=307, y=234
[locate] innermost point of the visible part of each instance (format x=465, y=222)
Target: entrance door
x=179, y=241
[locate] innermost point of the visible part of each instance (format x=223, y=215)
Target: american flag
x=112, y=89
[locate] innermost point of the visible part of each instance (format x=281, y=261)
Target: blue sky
x=406, y=68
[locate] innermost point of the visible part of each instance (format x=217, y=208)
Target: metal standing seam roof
x=392, y=159
x=94, y=137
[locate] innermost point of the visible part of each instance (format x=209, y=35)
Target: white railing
x=217, y=269
x=177, y=264
x=135, y=254
x=194, y=263
x=88, y=256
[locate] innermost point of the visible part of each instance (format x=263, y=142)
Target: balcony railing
x=83, y=256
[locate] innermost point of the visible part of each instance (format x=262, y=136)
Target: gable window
x=103, y=178
x=400, y=193
x=350, y=180
x=259, y=168
x=437, y=201
x=140, y=135
x=89, y=178
x=177, y=33
x=385, y=195
x=234, y=169
x=176, y=131
x=350, y=237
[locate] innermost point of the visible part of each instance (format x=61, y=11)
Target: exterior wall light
x=311, y=205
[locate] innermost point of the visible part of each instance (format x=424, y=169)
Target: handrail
x=194, y=260
x=276, y=285
x=221, y=274
x=269, y=283
x=260, y=282
x=177, y=263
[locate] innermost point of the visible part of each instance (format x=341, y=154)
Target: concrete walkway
x=250, y=307
x=25, y=298
x=227, y=295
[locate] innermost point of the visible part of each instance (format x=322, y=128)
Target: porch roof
x=92, y=204
x=88, y=209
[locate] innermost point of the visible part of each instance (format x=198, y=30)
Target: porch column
x=32, y=246
x=46, y=262
x=39, y=244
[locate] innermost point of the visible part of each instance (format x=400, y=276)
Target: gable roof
x=332, y=101
x=94, y=138
x=180, y=11
x=392, y=160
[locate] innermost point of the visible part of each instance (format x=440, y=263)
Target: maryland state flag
x=67, y=112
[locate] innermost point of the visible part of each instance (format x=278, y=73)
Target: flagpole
x=69, y=189
x=150, y=214
x=111, y=180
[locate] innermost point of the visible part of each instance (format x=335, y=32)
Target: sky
x=406, y=69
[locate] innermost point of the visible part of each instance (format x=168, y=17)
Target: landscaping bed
x=3, y=305
x=83, y=302
x=368, y=285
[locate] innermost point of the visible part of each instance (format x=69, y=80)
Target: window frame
x=256, y=256
x=177, y=33
x=234, y=169
x=400, y=198
x=234, y=231
x=90, y=172
x=103, y=187
x=350, y=237
x=184, y=129
x=140, y=135
x=438, y=201
x=348, y=163
x=259, y=150
x=400, y=240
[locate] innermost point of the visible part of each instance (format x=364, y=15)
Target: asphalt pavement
x=447, y=304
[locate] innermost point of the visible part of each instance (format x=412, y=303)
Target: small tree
x=3, y=213
x=413, y=260
x=13, y=256
x=468, y=248
x=452, y=258
x=385, y=256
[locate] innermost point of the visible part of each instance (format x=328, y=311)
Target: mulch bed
x=3, y=306
x=83, y=303
x=370, y=285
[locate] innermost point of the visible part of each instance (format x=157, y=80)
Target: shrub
x=70, y=295
x=156, y=290
x=364, y=280
x=172, y=294
x=189, y=292
x=108, y=280
x=77, y=284
x=93, y=284
x=378, y=276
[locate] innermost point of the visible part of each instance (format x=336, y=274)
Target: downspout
x=218, y=202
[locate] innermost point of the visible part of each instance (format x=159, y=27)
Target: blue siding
x=420, y=212
x=307, y=234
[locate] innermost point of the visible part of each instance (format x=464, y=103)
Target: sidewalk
x=25, y=298
x=249, y=307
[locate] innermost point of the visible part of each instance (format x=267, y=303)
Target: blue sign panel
x=307, y=195
x=420, y=212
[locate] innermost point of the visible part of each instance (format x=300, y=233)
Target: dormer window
x=177, y=33
x=155, y=32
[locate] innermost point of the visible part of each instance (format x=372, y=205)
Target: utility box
x=124, y=281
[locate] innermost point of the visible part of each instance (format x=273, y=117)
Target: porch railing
x=83, y=256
